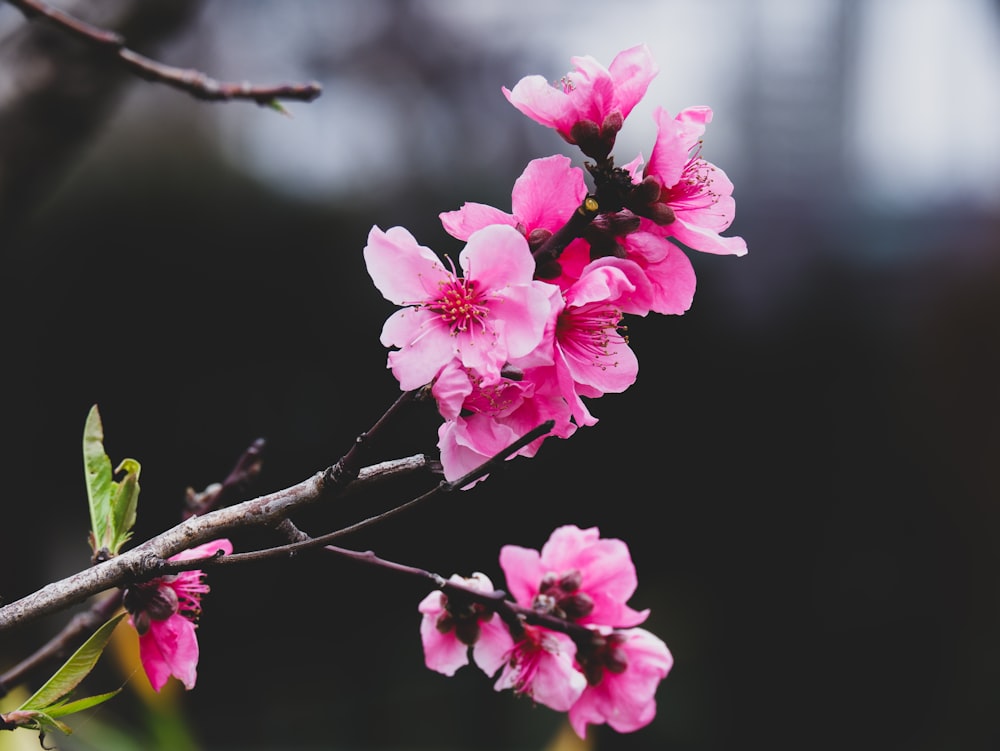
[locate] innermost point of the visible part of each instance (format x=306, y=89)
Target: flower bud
x=570, y=581
x=593, y=141
x=577, y=606
x=646, y=192
x=611, y=125
x=537, y=236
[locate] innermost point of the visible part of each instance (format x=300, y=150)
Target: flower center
x=459, y=305
x=694, y=189
x=591, y=332
x=496, y=399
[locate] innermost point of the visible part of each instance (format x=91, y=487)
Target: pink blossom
x=494, y=313
x=482, y=418
x=577, y=575
x=590, y=103
x=623, y=670
x=592, y=356
x=699, y=194
x=449, y=628
x=541, y=666
x=164, y=611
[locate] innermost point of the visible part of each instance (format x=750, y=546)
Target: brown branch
x=148, y=559
x=193, y=82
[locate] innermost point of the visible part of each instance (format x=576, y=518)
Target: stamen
x=591, y=331
x=459, y=305
x=694, y=189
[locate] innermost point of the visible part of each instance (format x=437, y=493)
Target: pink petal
x=565, y=544
x=450, y=390
x=569, y=389
x=548, y=192
x=676, y=137
x=403, y=271
x=414, y=367
x=472, y=216
x=525, y=311
x=495, y=643
x=593, y=94
x=542, y=102
x=443, y=652
x=523, y=569
x=630, y=289
x=668, y=270
x=459, y=441
x=706, y=240
x=497, y=256
x=170, y=647
x=632, y=71
x=205, y=550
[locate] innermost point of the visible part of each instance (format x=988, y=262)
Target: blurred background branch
x=56, y=92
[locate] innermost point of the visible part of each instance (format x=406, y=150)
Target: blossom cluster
x=533, y=324
x=601, y=668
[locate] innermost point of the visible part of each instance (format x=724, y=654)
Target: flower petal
x=403, y=271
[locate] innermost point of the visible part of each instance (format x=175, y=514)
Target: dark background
x=805, y=471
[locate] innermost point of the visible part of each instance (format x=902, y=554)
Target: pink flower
x=540, y=666
x=623, y=670
x=482, y=418
x=592, y=356
x=578, y=576
x=449, y=628
x=699, y=194
x=591, y=102
x=494, y=313
x=164, y=611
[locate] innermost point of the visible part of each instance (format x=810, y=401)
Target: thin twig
x=246, y=469
x=495, y=601
x=194, y=82
x=346, y=468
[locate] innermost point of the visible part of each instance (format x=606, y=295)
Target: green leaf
x=112, y=504
x=74, y=670
x=61, y=709
x=97, y=471
x=124, y=503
